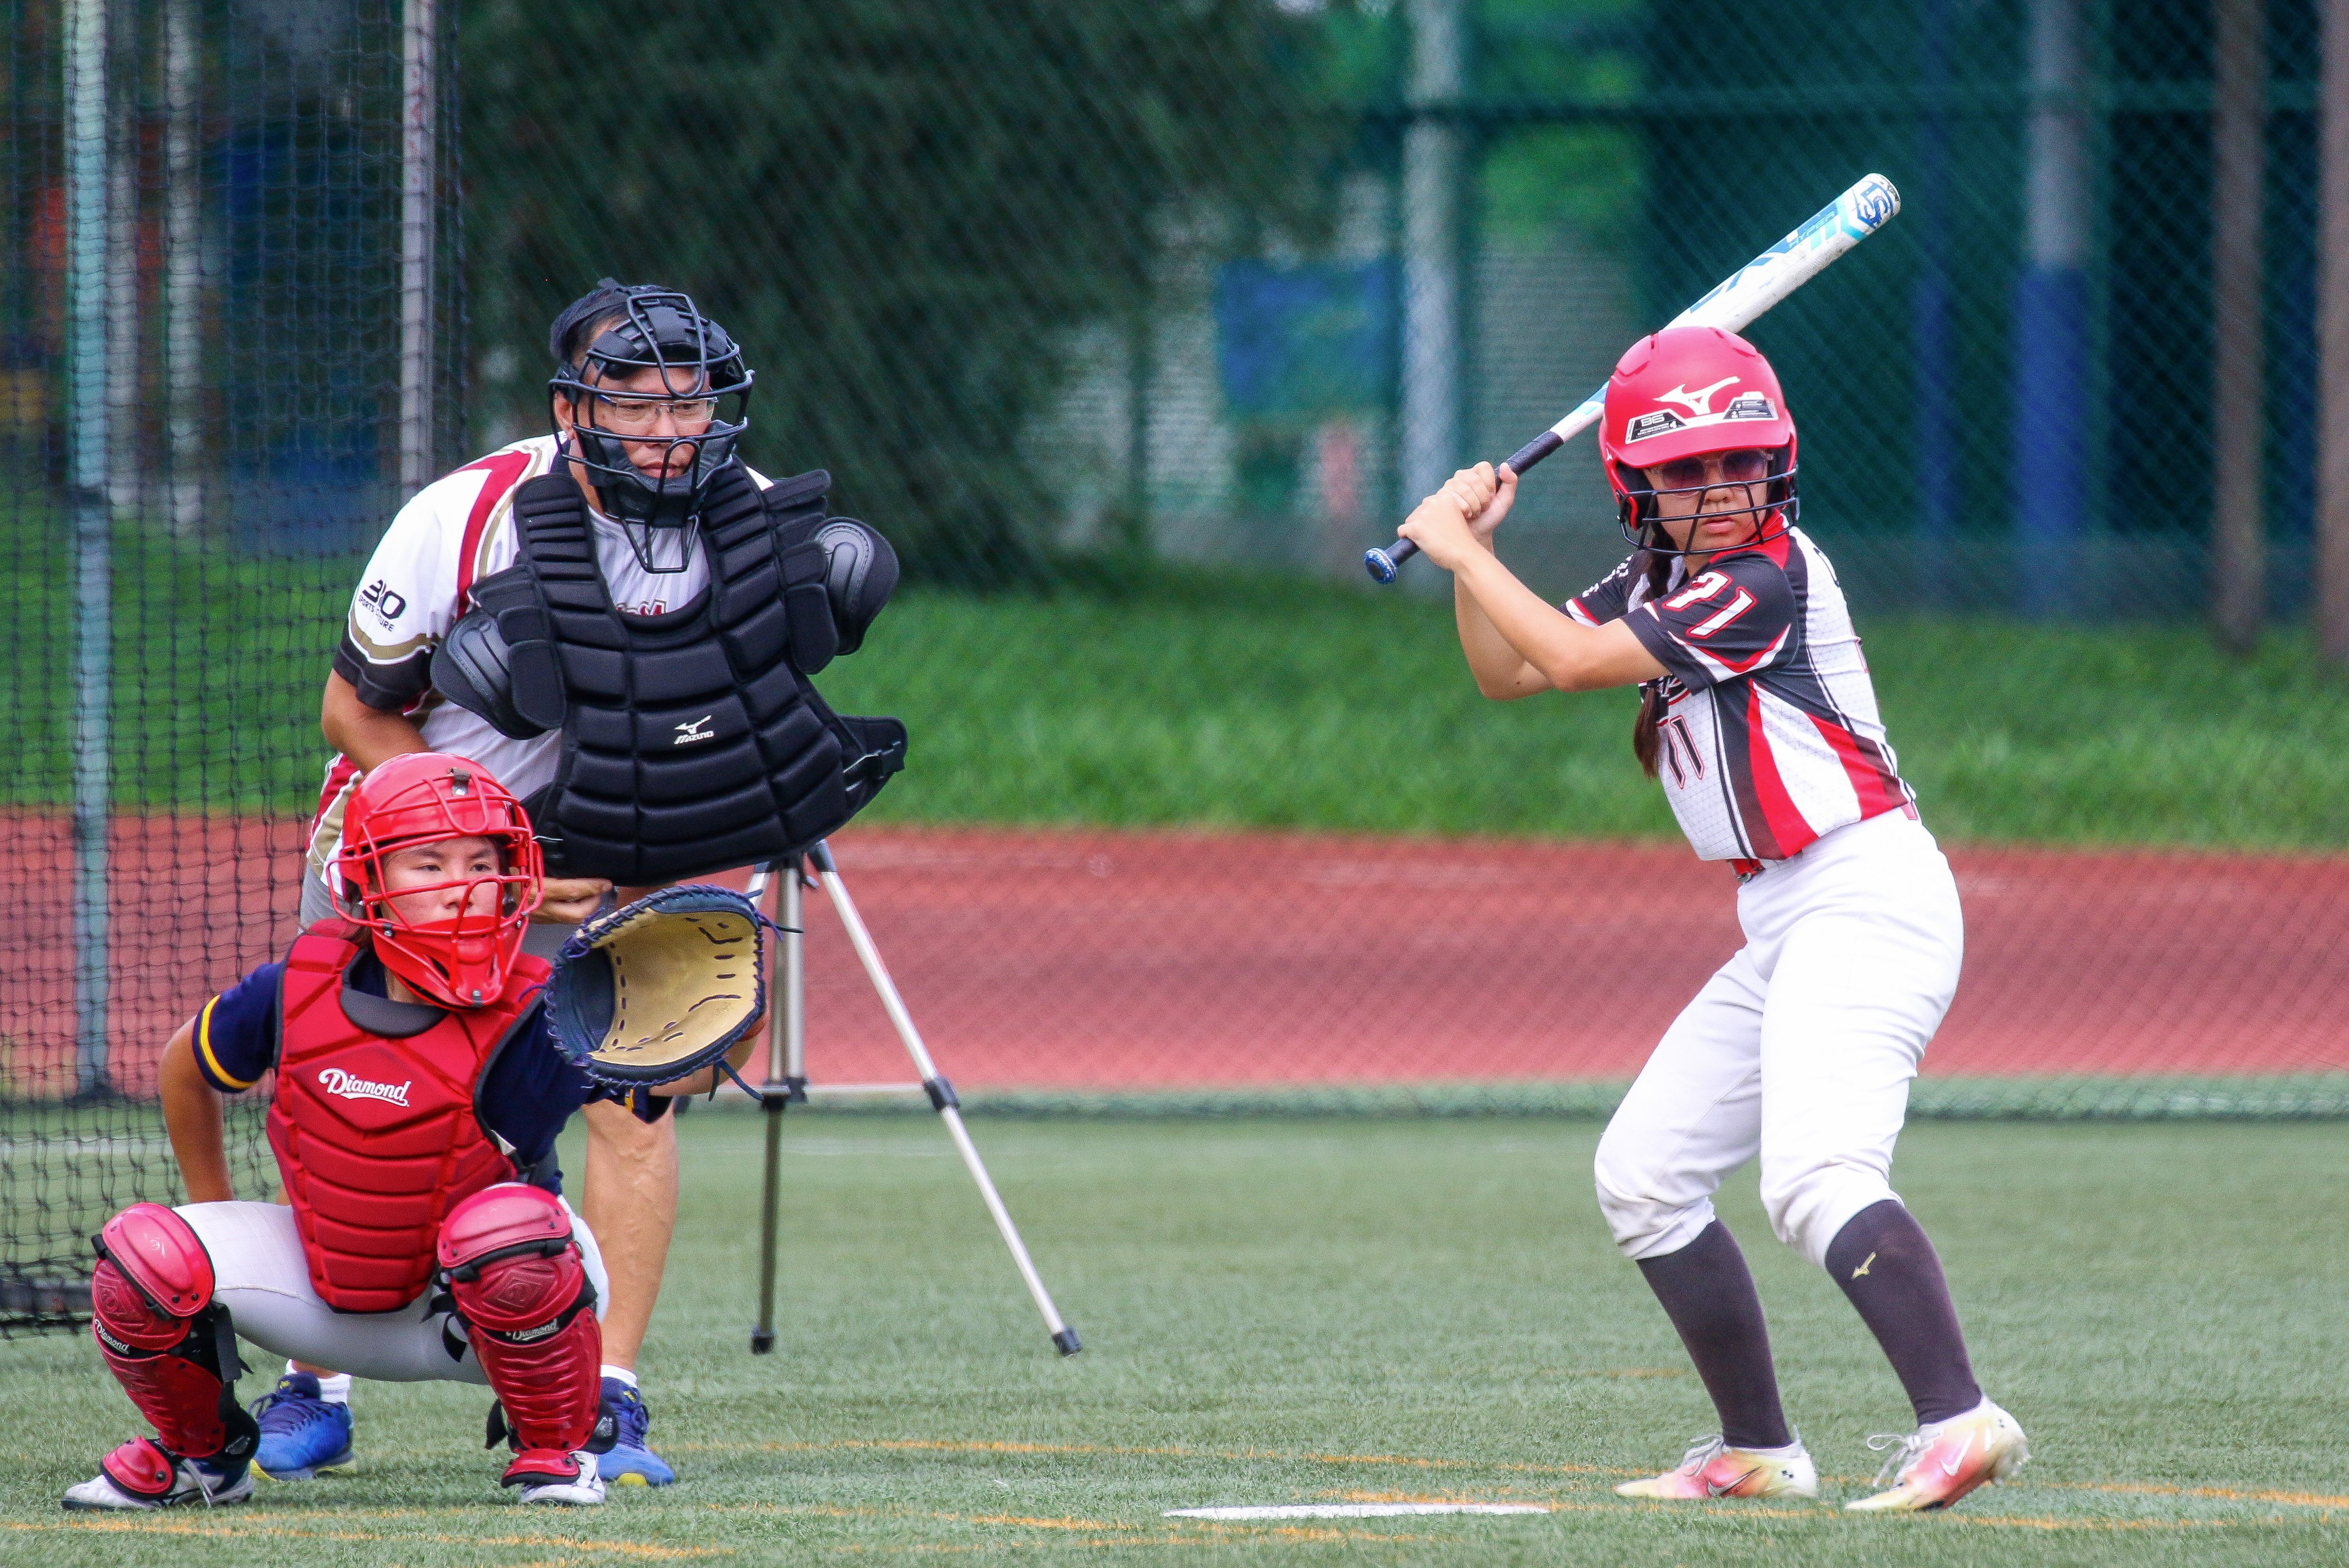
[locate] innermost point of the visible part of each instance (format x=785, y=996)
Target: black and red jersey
x=1771, y=737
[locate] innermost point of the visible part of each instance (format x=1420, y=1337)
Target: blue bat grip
x=1383, y=564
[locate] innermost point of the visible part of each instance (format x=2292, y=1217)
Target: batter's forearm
x=1501, y=672
x=1564, y=653
x=192, y=1115
x=370, y=736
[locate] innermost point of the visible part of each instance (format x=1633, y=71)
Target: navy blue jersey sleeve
x=532, y=1089
x=236, y=1031
x=1605, y=600
x=1734, y=618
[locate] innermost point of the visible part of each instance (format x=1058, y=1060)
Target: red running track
x=1117, y=960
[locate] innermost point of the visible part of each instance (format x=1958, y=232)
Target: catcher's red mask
x=461, y=952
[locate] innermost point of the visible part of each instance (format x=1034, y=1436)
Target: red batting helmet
x=425, y=798
x=1685, y=392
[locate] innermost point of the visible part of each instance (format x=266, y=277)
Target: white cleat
x=1713, y=1469
x=1944, y=1461
x=581, y=1487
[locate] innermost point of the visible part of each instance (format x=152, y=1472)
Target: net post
x=88, y=181
x=420, y=129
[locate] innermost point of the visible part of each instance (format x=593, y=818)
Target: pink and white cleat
x=1713, y=1469
x=1947, y=1460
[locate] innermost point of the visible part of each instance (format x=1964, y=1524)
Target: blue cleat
x=302, y=1435
x=628, y=1462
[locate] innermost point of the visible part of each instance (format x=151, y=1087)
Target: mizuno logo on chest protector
x=694, y=729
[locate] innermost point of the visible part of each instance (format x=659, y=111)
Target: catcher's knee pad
x=164, y=1336
x=529, y=1310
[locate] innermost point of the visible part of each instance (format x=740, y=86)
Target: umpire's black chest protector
x=692, y=741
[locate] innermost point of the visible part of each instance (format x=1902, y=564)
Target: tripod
x=787, y=1083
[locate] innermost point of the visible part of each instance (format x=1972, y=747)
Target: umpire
x=619, y=619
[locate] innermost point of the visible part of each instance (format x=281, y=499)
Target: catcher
x=418, y=1088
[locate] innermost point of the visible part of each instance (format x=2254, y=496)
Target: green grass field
x=1179, y=698
x=1284, y=1311
x=1304, y=705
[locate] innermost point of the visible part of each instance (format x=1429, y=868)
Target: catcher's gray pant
x=261, y=1276
x=540, y=940
x=1800, y=1049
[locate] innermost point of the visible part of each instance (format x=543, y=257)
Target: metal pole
x=2238, y=166
x=1431, y=208
x=87, y=180
x=2332, y=341
x=416, y=216
x=941, y=1093
x=184, y=266
x=786, y=1079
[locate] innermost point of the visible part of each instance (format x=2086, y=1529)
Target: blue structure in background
x=1305, y=340
x=2052, y=343
x=1931, y=304
x=306, y=417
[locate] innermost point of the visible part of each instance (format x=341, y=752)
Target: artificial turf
x=1284, y=1311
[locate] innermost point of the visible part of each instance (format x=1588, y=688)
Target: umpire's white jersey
x=452, y=533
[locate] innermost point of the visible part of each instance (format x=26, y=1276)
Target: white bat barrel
x=1735, y=303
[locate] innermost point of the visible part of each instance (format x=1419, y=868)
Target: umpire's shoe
x=628, y=1462
x=302, y=1435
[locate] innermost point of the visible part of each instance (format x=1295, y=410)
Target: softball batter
x=1757, y=715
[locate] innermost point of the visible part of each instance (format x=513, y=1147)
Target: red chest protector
x=376, y=1135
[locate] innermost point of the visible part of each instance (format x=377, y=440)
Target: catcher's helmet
x=423, y=797
x=1687, y=392
x=649, y=327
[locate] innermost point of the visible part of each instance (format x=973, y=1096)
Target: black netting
x=209, y=403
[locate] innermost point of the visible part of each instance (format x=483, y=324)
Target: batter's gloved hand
x=652, y=993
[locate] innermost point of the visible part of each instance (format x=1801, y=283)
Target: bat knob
x=1381, y=566
x=762, y=1340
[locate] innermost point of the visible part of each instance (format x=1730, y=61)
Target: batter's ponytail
x=1647, y=730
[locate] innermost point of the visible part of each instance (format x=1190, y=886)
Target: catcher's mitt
x=651, y=992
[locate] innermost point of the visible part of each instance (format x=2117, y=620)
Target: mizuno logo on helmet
x=341, y=1084
x=1699, y=403
x=691, y=730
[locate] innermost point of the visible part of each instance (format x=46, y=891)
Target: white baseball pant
x=261, y=1278
x=1800, y=1049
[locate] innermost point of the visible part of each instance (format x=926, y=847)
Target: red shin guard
x=164, y=1338
x=529, y=1311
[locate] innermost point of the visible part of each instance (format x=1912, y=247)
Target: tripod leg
x=785, y=1079
x=941, y=1093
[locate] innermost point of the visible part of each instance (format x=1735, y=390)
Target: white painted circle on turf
x=1354, y=1509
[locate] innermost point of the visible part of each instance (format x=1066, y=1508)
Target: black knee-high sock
x=1884, y=1261
x=1709, y=1294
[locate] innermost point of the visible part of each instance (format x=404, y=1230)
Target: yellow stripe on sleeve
x=204, y=1047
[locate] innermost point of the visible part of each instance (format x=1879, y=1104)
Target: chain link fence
x=1236, y=281
x=1058, y=283
x=230, y=312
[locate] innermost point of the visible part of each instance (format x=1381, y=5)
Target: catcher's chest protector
x=691, y=741
x=376, y=1137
